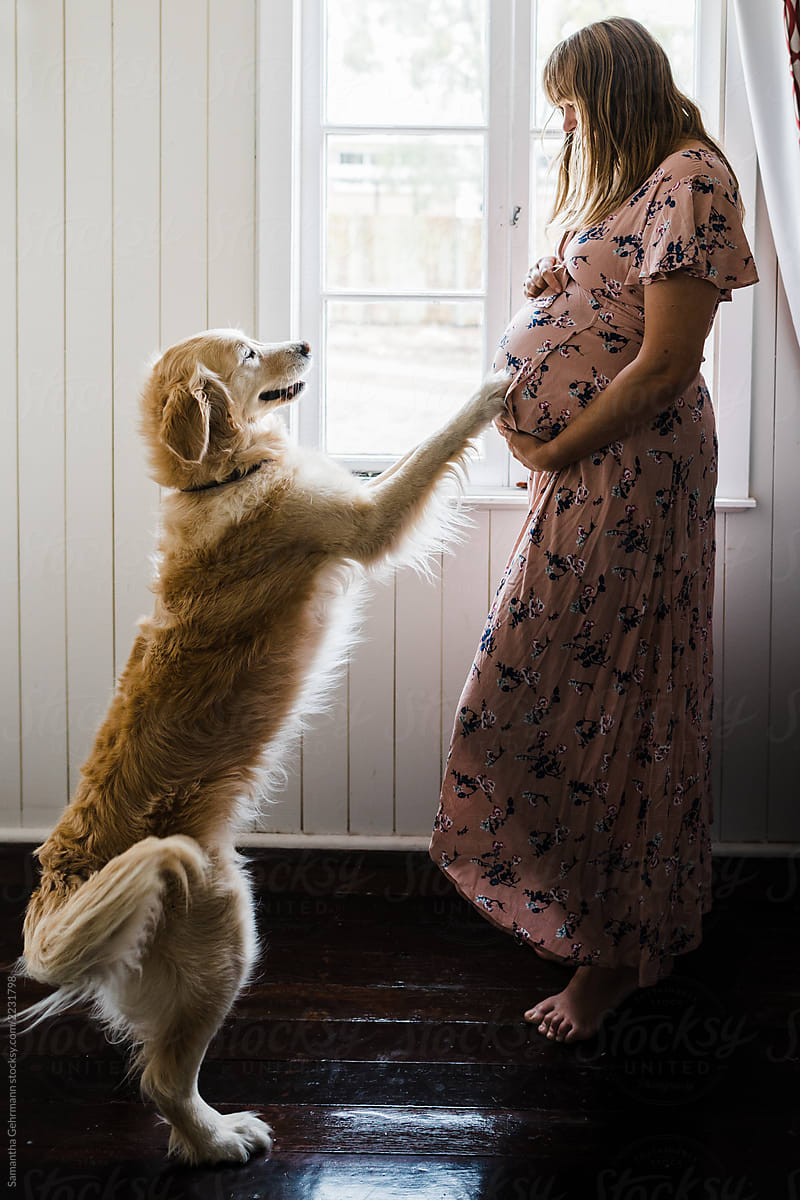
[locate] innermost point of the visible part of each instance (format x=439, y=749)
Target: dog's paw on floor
x=234, y=1138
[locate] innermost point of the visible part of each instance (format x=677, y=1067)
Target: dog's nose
x=305, y=349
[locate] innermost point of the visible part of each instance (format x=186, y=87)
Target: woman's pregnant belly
x=543, y=344
x=565, y=349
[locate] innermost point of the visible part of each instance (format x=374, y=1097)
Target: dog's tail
x=106, y=922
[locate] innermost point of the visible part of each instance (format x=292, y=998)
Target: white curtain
x=770, y=94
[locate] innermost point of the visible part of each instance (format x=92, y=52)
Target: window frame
x=294, y=40
x=312, y=292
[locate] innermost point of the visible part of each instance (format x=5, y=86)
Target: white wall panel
x=88, y=372
x=10, y=799
x=371, y=715
x=783, y=810
x=418, y=701
x=231, y=164
x=746, y=655
x=744, y=638
x=465, y=604
x=732, y=392
x=40, y=227
x=184, y=169
x=325, y=765
x=279, y=810
x=136, y=310
x=505, y=527
x=275, y=116
x=718, y=623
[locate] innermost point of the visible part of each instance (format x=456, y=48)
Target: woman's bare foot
x=578, y=1012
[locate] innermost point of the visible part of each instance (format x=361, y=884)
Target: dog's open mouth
x=287, y=393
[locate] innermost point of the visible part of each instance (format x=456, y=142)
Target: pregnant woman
x=576, y=804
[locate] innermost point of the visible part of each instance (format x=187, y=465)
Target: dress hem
x=545, y=944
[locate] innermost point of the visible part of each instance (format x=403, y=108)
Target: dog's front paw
x=491, y=396
x=233, y=1138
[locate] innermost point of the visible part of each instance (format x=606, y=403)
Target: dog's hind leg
x=187, y=985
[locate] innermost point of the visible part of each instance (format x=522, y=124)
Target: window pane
x=405, y=213
x=543, y=188
x=673, y=25
x=396, y=370
x=422, y=62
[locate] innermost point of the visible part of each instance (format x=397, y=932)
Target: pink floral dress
x=576, y=803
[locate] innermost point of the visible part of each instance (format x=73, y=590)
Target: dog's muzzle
x=287, y=393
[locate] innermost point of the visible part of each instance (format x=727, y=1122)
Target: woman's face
x=570, y=117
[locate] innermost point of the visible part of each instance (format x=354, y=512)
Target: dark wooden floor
x=383, y=1040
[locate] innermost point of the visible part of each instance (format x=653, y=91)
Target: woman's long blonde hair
x=631, y=116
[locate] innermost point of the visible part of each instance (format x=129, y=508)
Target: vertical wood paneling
x=291, y=797
x=10, y=813
x=718, y=625
x=505, y=526
x=745, y=640
x=746, y=652
x=231, y=164
x=184, y=169
x=40, y=166
x=136, y=191
x=732, y=392
x=465, y=604
x=89, y=375
x=325, y=765
x=276, y=113
x=279, y=810
x=783, y=811
x=418, y=701
x=371, y=715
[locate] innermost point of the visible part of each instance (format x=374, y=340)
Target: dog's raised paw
x=493, y=390
x=234, y=1137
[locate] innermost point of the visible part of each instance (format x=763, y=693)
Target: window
x=421, y=172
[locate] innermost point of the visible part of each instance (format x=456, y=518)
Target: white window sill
x=518, y=498
x=722, y=504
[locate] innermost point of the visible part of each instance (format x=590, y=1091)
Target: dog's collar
x=239, y=473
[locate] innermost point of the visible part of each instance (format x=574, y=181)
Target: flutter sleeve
x=692, y=224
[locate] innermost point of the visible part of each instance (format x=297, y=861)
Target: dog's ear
x=186, y=421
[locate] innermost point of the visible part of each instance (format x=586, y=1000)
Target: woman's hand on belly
x=531, y=451
x=549, y=273
x=677, y=315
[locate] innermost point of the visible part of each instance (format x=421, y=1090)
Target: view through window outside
x=405, y=230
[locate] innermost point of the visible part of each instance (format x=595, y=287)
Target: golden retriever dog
x=143, y=909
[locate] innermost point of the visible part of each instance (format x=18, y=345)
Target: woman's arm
x=677, y=312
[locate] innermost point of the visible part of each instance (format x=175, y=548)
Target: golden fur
x=143, y=908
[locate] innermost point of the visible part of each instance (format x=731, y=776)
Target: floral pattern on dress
x=576, y=803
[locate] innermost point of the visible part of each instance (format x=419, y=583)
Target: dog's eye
x=248, y=355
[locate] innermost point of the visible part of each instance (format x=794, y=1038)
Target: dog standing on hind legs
x=143, y=908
